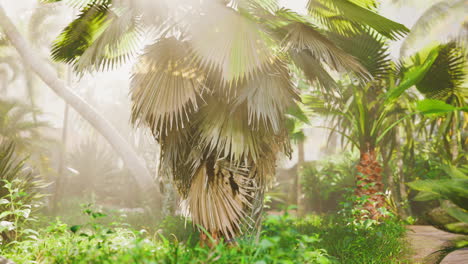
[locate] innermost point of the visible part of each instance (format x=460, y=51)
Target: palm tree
x=439, y=19
x=17, y=126
x=9, y=66
x=446, y=81
x=16, y=176
x=367, y=113
x=215, y=84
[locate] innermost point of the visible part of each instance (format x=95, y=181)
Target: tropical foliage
x=17, y=125
x=367, y=114
x=19, y=194
x=218, y=110
x=220, y=94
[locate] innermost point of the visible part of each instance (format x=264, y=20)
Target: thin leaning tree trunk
x=63, y=152
x=45, y=72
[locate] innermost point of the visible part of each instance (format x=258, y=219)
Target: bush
x=18, y=195
x=324, y=182
x=343, y=241
x=179, y=229
x=284, y=239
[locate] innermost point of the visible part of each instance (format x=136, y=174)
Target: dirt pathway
x=427, y=239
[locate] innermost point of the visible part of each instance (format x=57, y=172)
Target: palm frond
x=369, y=49
x=238, y=48
x=180, y=157
x=346, y=15
x=446, y=76
x=165, y=85
x=433, y=16
x=78, y=3
x=313, y=70
x=299, y=34
x=99, y=39
x=226, y=133
x=220, y=205
x=114, y=46
x=455, y=190
x=40, y=20
x=255, y=5
x=14, y=170
x=79, y=34
x=12, y=63
x=150, y=12
x=268, y=97
x=16, y=125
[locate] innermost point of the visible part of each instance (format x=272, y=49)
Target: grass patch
x=284, y=239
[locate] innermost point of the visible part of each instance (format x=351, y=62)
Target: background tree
x=443, y=21
x=48, y=75
x=366, y=113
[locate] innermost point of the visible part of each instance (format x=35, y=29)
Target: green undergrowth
x=283, y=239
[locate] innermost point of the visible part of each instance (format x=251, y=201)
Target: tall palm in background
x=366, y=114
x=49, y=76
x=17, y=126
x=215, y=84
x=9, y=66
x=447, y=81
x=443, y=21
x=13, y=66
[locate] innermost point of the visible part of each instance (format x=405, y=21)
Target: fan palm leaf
x=78, y=35
x=114, y=46
x=100, y=38
x=437, y=14
x=16, y=124
x=238, y=48
x=347, y=15
x=164, y=76
x=369, y=49
x=301, y=35
x=313, y=70
x=446, y=77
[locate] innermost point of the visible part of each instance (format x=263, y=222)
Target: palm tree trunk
x=30, y=89
x=63, y=153
x=454, y=139
x=48, y=75
x=300, y=161
x=369, y=183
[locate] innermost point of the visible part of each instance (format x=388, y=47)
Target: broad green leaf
x=457, y=228
x=432, y=106
x=75, y=228
x=454, y=172
x=426, y=196
x=457, y=213
x=413, y=76
x=446, y=76
x=455, y=190
x=295, y=111
x=79, y=34
x=5, y=213
x=357, y=12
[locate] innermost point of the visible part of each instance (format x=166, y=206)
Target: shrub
x=19, y=195
x=324, y=182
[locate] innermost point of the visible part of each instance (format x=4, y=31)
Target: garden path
x=426, y=239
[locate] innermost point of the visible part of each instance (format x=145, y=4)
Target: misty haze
x=233, y=131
